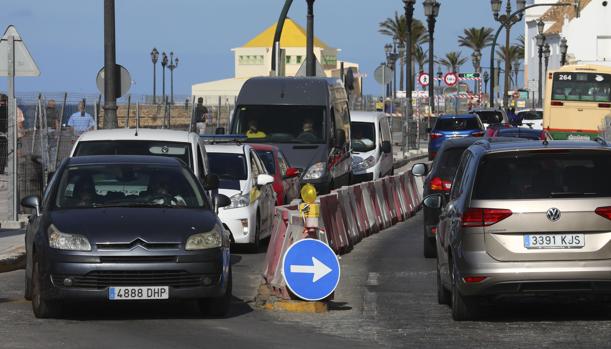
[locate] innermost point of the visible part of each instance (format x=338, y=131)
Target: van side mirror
x=211, y=181
x=340, y=138
x=220, y=201
x=386, y=147
x=32, y=202
x=264, y=179
x=292, y=172
x=434, y=201
x=420, y=170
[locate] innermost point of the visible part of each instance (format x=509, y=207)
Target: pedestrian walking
x=201, y=115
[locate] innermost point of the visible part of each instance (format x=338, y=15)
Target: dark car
x=439, y=180
x=453, y=126
x=116, y=228
x=286, y=178
x=491, y=116
x=307, y=118
x=522, y=132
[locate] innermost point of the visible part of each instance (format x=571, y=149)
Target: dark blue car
x=451, y=127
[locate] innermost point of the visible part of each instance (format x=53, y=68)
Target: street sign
x=311, y=269
x=124, y=81
x=383, y=75
x=450, y=79
x=424, y=79
x=24, y=63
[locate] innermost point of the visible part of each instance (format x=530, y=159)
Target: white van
x=372, y=156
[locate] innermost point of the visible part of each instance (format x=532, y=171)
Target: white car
x=532, y=118
x=372, y=156
x=244, y=179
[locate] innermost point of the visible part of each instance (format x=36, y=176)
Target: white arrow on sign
x=318, y=269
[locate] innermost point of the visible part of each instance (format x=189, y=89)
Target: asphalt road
x=386, y=298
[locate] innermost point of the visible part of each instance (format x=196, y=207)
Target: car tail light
x=604, y=212
x=440, y=184
x=434, y=230
x=604, y=105
x=484, y=217
x=436, y=135
x=474, y=279
x=557, y=104
x=477, y=134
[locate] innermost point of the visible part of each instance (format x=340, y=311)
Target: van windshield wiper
x=571, y=194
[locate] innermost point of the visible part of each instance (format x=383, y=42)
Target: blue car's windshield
x=127, y=185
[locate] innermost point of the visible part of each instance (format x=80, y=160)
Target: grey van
x=307, y=118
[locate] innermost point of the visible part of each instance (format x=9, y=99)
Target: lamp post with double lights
x=164, y=63
x=564, y=48
x=173, y=65
x=401, y=60
x=516, y=71
x=409, y=81
x=476, y=58
x=431, y=11
x=154, y=59
x=547, y=52
x=486, y=79
x=540, y=43
x=391, y=61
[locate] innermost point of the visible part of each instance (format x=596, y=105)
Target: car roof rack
x=221, y=139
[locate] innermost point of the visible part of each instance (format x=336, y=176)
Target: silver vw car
x=525, y=218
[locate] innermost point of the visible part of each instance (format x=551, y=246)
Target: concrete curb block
x=13, y=260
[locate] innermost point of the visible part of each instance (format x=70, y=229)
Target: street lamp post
x=391, y=62
x=154, y=59
x=507, y=20
x=431, y=11
x=486, y=79
x=516, y=71
x=439, y=92
x=310, y=61
x=110, y=66
x=476, y=57
x=401, y=59
x=540, y=43
x=173, y=65
x=546, y=54
x=496, y=7
x=164, y=63
x=564, y=47
x=409, y=81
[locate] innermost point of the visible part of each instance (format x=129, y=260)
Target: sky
x=65, y=37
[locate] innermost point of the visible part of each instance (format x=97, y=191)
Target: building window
x=329, y=60
x=250, y=60
x=288, y=59
x=299, y=59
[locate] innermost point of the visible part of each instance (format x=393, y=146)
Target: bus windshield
x=581, y=87
x=281, y=124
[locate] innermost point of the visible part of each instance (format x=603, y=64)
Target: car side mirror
x=292, y=172
x=220, y=201
x=434, y=201
x=32, y=202
x=420, y=170
x=386, y=147
x=264, y=179
x=211, y=181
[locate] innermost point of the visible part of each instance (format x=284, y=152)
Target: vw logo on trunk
x=553, y=214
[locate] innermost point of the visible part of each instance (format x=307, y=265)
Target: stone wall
x=152, y=116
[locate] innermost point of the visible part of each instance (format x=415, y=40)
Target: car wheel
x=42, y=308
x=255, y=247
x=443, y=295
x=463, y=308
x=429, y=246
x=219, y=306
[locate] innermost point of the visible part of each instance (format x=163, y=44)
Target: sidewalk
x=12, y=250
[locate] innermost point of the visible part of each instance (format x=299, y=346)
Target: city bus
x=577, y=99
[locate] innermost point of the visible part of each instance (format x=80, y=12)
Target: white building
x=254, y=59
x=588, y=37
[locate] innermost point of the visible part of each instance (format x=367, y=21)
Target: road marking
x=370, y=304
x=373, y=279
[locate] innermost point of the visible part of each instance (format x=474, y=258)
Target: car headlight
x=364, y=164
x=68, y=242
x=204, y=241
x=239, y=200
x=315, y=171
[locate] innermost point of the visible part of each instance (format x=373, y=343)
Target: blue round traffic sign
x=311, y=269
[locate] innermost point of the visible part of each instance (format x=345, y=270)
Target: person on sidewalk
x=201, y=115
x=81, y=121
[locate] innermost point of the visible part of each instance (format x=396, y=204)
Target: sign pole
x=12, y=117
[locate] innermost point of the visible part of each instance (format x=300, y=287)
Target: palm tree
x=515, y=54
x=421, y=57
x=396, y=28
x=453, y=61
x=476, y=38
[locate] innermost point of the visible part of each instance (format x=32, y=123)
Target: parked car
x=491, y=116
x=244, y=179
x=183, y=145
x=522, y=132
x=532, y=118
x=372, y=156
x=451, y=127
x=439, y=180
x=114, y=228
x=522, y=219
x=286, y=178
x=307, y=118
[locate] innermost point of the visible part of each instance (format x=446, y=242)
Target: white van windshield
x=282, y=124
x=363, y=136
